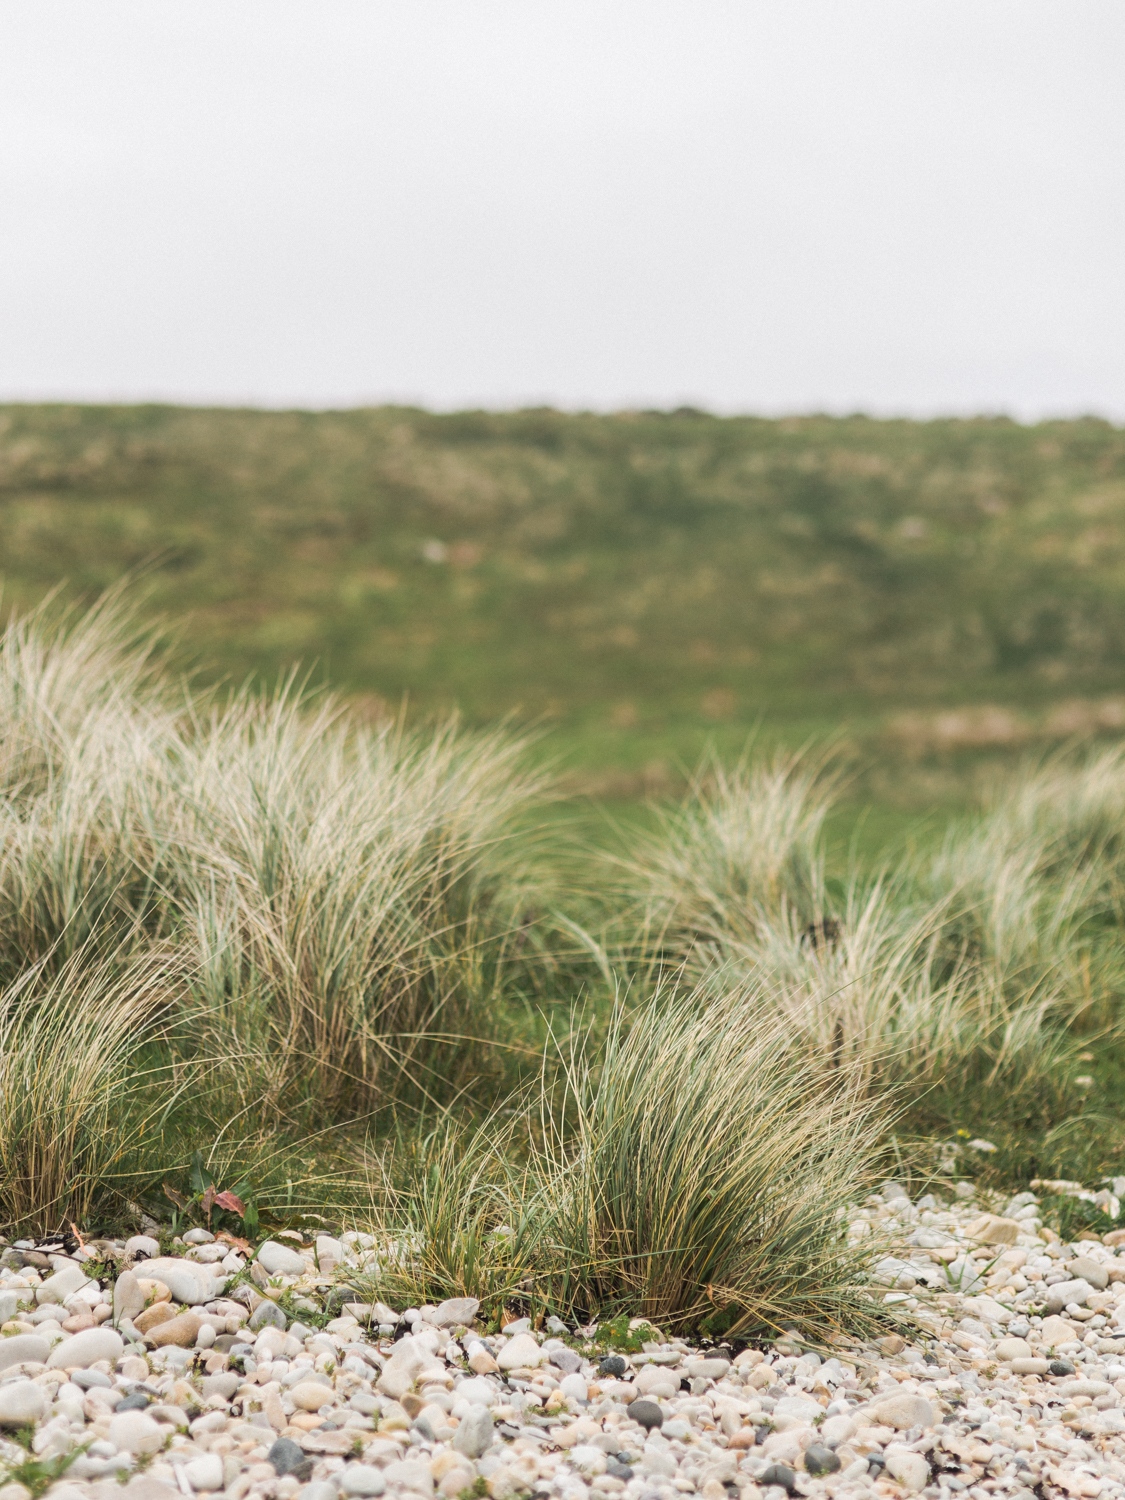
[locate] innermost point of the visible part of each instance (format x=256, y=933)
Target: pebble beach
x=179, y=1374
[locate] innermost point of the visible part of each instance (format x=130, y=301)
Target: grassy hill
x=640, y=581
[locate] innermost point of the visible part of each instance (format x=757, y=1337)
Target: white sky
x=911, y=206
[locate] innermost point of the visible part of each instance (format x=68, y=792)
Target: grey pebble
x=267, y=1315
x=287, y=1457
x=778, y=1474
x=647, y=1413
x=820, y=1460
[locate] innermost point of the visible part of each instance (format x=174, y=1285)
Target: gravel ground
x=1009, y=1379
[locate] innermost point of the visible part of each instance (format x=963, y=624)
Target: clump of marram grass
x=75, y=1105
x=693, y=1172
x=346, y=899
x=746, y=842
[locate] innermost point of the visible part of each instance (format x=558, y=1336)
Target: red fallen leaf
x=229, y=1201
x=233, y=1239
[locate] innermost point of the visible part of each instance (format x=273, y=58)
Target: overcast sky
x=911, y=206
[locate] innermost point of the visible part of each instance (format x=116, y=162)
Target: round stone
x=820, y=1460
x=310, y=1395
x=23, y=1348
x=22, y=1404
x=647, y=1413
x=362, y=1479
x=86, y=1348
x=205, y=1473
x=136, y=1432
x=267, y=1314
x=613, y=1365
x=778, y=1474
x=1060, y=1367
x=280, y=1260
x=286, y=1456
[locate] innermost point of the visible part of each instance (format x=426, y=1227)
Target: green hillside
x=637, y=581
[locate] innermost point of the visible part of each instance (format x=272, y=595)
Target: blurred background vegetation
x=937, y=599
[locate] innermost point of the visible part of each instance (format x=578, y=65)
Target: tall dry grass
x=77, y=1104
x=345, y=902
x=966, y=984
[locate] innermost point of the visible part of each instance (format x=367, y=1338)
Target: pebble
x=280, y=1260
x=128, y=1296
x=85, y=1349
x=286, y=1456
x=22, y=1403
x=474, y=1435
x=362, y=1479
x=23, y=1348
x=820, y=1460
x=521, y=1352
x=181, y=1331
x=186, y=1280
x=455, y=1312
x=647, y=1413
x=205, y=1473
x=267, y=1314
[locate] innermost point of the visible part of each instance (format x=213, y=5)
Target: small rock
x=708, y=1369
x=1063, y=1293
x=135, y=1401
x=455, y=1312
x=567, y=1361
x=205, y=1473
x=1056, y=1331
x=60, y=1287
x=909, y=1468
x=481, y=1362
x=152, y=1317
x=287, y=1458
x=647, y=1413
x=198, y=1237
x=1029, y=1366
x=411, y=1474
x=1085, y=1269
x=180, y=1331
x=612, y=1365
x=87, y=1348
x=136, y=1432
x=362, y=1479
x=128, y=1297
x=23, y=1348
x=22, y=1404
x=521, y=1352
x=1010, y=1349
x=655, y=1381
x=778, y=1474
x=267, y=1314
x=837, y=1430
x=187, y=1281
x=990, y=1229
x=901, y=1410
x=474, y=1436
x=280, y=1260
x=820, y=1460
x=1060, y=1367
x=799, y=1408
x=142, y=1245
x=310, y=1395
x=574, y=1388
